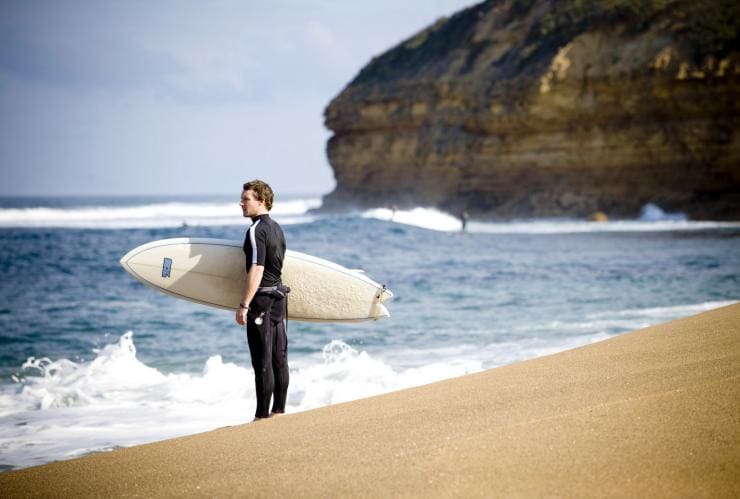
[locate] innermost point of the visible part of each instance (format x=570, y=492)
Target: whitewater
x=298, y=210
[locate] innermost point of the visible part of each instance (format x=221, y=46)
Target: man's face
x=250, y=206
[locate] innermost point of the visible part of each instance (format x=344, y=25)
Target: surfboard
x=212, y=272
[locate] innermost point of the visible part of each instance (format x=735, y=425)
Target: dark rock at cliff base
x=539, y=108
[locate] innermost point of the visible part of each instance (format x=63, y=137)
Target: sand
x=653, y=413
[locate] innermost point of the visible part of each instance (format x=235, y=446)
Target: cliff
x=549, y=108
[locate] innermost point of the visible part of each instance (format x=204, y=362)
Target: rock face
x=539, y=108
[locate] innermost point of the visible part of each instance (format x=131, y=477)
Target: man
x=264, y=304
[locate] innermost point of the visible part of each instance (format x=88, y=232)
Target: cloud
x=192, y=96
x=191, y=53
x=68, y=45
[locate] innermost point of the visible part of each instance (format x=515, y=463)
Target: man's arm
x=251, y=283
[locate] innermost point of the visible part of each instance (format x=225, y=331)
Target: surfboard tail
x=381, y=311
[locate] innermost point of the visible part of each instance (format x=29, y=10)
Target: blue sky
x=182, y=97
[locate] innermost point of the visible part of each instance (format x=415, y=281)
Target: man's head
x=257, y=198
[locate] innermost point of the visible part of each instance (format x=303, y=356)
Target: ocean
x=92, y=360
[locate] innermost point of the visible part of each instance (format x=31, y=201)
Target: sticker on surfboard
x=166, y=267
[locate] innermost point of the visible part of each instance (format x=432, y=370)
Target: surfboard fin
x=382, y=312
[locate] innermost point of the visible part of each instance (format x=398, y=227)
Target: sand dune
x=652, y=413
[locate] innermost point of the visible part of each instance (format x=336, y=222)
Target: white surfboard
x=212, y=272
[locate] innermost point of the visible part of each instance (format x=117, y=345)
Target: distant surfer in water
x=264, y=301
x=464, y=219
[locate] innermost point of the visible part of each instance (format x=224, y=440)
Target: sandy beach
x=652, y=413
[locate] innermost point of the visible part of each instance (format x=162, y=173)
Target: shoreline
x=651, y=412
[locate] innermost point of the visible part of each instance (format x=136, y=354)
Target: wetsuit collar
x=264, y=216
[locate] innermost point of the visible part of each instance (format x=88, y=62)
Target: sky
x=186, y=97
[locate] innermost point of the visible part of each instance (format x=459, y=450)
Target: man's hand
x=241, y=316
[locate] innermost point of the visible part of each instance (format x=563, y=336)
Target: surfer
x=264, y=303
x=464, y=219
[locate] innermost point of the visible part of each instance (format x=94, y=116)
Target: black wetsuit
x=264, y=244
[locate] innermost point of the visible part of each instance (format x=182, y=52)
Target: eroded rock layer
x=549, y=108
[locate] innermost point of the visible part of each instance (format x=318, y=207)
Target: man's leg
x=280, y=366
x=260, y=342
x=280, y=355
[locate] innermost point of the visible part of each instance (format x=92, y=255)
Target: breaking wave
x=652, y=219
x=153, y=215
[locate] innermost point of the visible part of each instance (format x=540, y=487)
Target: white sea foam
x=654, y=315
x=61, y=409
x=578, y=227
x=174, y=214
x=610, y=323
x=652, y=219
x=426, y=218
x=346, y=374
x=179, y=214
x=653, y=213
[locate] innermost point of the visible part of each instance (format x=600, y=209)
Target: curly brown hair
x=262, y=192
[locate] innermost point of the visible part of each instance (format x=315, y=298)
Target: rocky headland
x=540, y=108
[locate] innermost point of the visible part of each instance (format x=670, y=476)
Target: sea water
x=92, y=360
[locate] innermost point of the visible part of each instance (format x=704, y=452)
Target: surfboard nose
x=125, y=261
